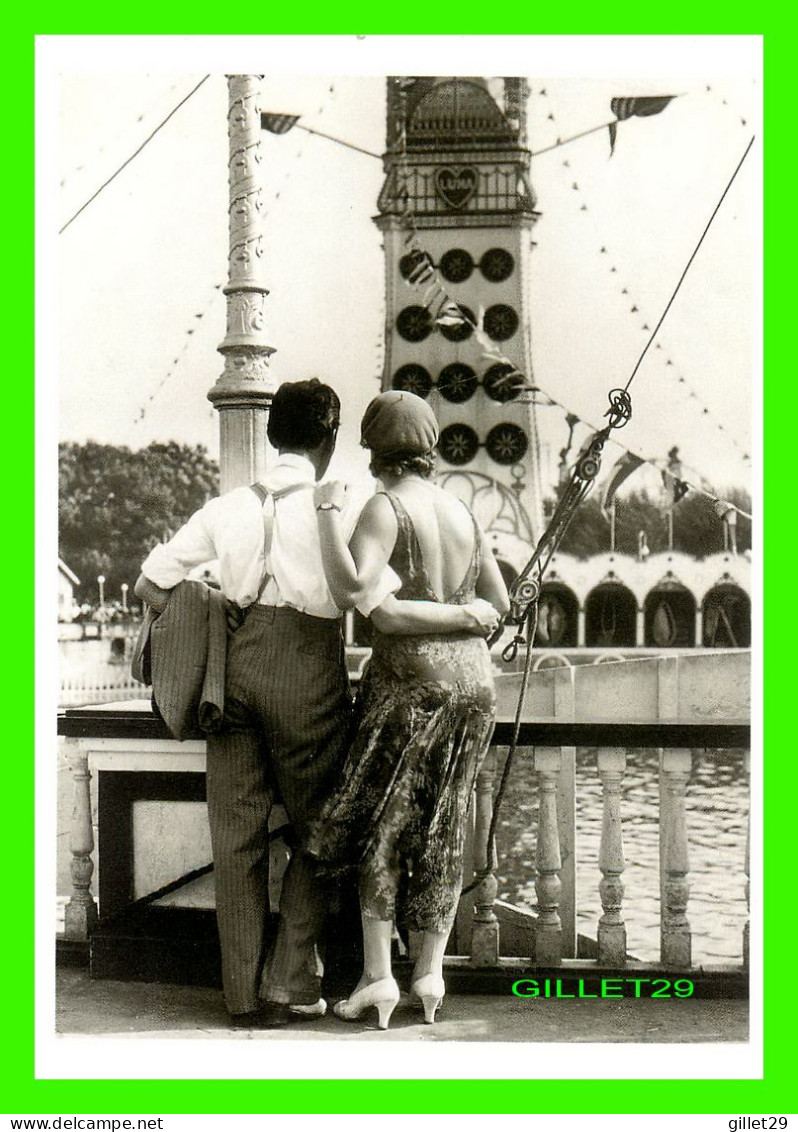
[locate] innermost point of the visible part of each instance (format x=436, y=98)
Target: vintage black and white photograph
x=408, y=476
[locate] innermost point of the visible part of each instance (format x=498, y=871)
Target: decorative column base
x=485, y=930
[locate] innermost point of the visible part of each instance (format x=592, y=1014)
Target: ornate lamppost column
x=244, y=391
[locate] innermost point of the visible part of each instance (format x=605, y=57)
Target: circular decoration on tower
x=501, y=322
x=498, y=384
x=459, y=331
x=457, y=382
x=414, y=323
x=506, y=443
x=458, y=444
x=456, y=265
x=413, y=379
x=415, y=265
x=497, y=265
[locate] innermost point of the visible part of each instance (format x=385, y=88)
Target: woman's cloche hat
x=399, y=422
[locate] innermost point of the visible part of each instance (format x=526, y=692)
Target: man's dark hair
x=302, y=415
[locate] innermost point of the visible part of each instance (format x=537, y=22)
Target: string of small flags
x=379, y=348
x=709, y=89
x=291, y=120
x=446, y=312
x=176, y=360
x=111, y=141
x=679, y=483
x=671, y=368
x=120, y=168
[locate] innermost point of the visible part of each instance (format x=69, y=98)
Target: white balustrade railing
x=677, y=705
x=98, y=684
x=666, y=703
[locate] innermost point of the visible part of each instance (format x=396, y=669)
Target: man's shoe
x=269, y=1016
x=313, y=1010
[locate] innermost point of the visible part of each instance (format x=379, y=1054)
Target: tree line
x=115, y=505
x=697, y=530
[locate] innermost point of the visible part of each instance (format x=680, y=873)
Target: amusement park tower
x=456, y=212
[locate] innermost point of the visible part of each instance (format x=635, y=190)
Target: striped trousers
x=287, y=725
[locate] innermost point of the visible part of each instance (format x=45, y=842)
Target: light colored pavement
x=96, y=1007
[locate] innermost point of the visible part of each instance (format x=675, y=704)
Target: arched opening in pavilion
x=558, y=610
x=610, y=616
x=670, y=611
x=726, y=617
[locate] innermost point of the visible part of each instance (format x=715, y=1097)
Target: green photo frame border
x=25, y=1095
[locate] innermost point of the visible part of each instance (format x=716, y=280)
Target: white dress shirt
x=230, y=528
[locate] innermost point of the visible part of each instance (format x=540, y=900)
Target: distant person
x=287, y=712
x=427, y=703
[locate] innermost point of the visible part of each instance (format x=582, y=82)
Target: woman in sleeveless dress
x=426, y=702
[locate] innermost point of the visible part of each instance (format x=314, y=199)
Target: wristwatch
x=328, y=505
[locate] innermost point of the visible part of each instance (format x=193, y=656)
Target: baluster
x=80, y=914
x=746, y=929
x=675, y=937
x=611, y=926
x=548, y=935
x=485, y=928
x=564, y=708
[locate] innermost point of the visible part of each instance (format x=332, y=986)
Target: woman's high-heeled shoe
x=430, y=989
x=384, y=994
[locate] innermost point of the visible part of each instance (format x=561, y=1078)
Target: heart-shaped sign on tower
x=456, y=186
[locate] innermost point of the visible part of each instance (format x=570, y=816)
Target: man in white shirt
x=287, y=698
x=288, y=710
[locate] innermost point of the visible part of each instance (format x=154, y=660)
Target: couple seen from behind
x=382, y=792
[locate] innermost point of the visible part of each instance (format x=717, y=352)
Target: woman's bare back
x=445, y=532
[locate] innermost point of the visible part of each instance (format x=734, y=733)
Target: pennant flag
x=624, y=467
x=449, y=314
x=677, y=490
x=613, y=128
x=419, y=267
x=432, y=293
x=278, y=123
x=674, y=487
x=642, y=107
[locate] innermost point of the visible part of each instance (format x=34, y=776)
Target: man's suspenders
x=263, y=495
